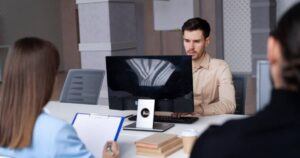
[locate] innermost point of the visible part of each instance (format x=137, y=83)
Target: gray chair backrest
x=82, y=86
x=240, y=85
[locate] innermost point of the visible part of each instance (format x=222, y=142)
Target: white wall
x=39, y=18
x=171, y=14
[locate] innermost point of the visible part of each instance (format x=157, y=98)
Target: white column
x=106, y=27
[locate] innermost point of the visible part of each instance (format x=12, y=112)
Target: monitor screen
x=166, y=79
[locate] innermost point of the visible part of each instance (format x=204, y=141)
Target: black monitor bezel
x=160, y=104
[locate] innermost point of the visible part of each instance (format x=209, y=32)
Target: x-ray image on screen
x=151, y=72
x=166, y=79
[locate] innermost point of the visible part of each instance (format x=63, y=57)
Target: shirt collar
x=202, y=62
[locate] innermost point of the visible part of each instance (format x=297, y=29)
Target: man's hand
x=181, y=114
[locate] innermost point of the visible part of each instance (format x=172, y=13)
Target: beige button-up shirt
x=213, y=87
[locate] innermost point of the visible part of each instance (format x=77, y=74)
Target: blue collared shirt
x=52, y=138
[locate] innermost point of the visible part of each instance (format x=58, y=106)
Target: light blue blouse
x=52, y=138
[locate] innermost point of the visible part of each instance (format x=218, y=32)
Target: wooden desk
x=66, y=111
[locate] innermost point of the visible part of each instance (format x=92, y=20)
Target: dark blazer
x=273, y=132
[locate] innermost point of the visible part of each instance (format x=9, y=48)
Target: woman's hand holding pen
x=111, y=150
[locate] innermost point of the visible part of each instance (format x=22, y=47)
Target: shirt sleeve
x=68, y=145
x=226, y=102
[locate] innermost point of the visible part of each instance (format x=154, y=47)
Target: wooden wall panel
x=152, y=38
x=71, y=55
x=207, y=12
x=172, y=43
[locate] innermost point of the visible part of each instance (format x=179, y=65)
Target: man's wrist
x=199, y=110
x=202, y=110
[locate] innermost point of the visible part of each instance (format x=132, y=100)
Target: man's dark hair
x=287, y=32
x=196, y=24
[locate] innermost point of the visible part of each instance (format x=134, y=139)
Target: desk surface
x=67, y=111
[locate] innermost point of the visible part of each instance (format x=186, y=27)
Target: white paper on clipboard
x=95, y=130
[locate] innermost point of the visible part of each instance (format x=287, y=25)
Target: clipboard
x=95, y=130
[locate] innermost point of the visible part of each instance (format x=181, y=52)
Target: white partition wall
x=237, y=34
x=171, y=14
x=247, y=24
x=30, y=18
x=106, y=27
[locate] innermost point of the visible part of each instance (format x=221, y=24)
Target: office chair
x=240, y=86
x=82, y=86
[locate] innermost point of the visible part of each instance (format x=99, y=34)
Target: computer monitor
x=263, y=84
x=166, y=79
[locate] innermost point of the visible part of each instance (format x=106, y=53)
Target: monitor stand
x=144, y=120
x=157, y=127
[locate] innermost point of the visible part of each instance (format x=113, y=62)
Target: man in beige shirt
x=212, y=80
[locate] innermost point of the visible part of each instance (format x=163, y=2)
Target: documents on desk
x=126, y=140
x=95, y=130
x=158, y=145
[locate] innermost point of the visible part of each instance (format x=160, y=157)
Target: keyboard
x=170, y=119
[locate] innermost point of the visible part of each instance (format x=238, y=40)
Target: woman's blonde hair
x=28, y=79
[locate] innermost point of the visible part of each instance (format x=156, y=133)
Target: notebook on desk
x=95, y=130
